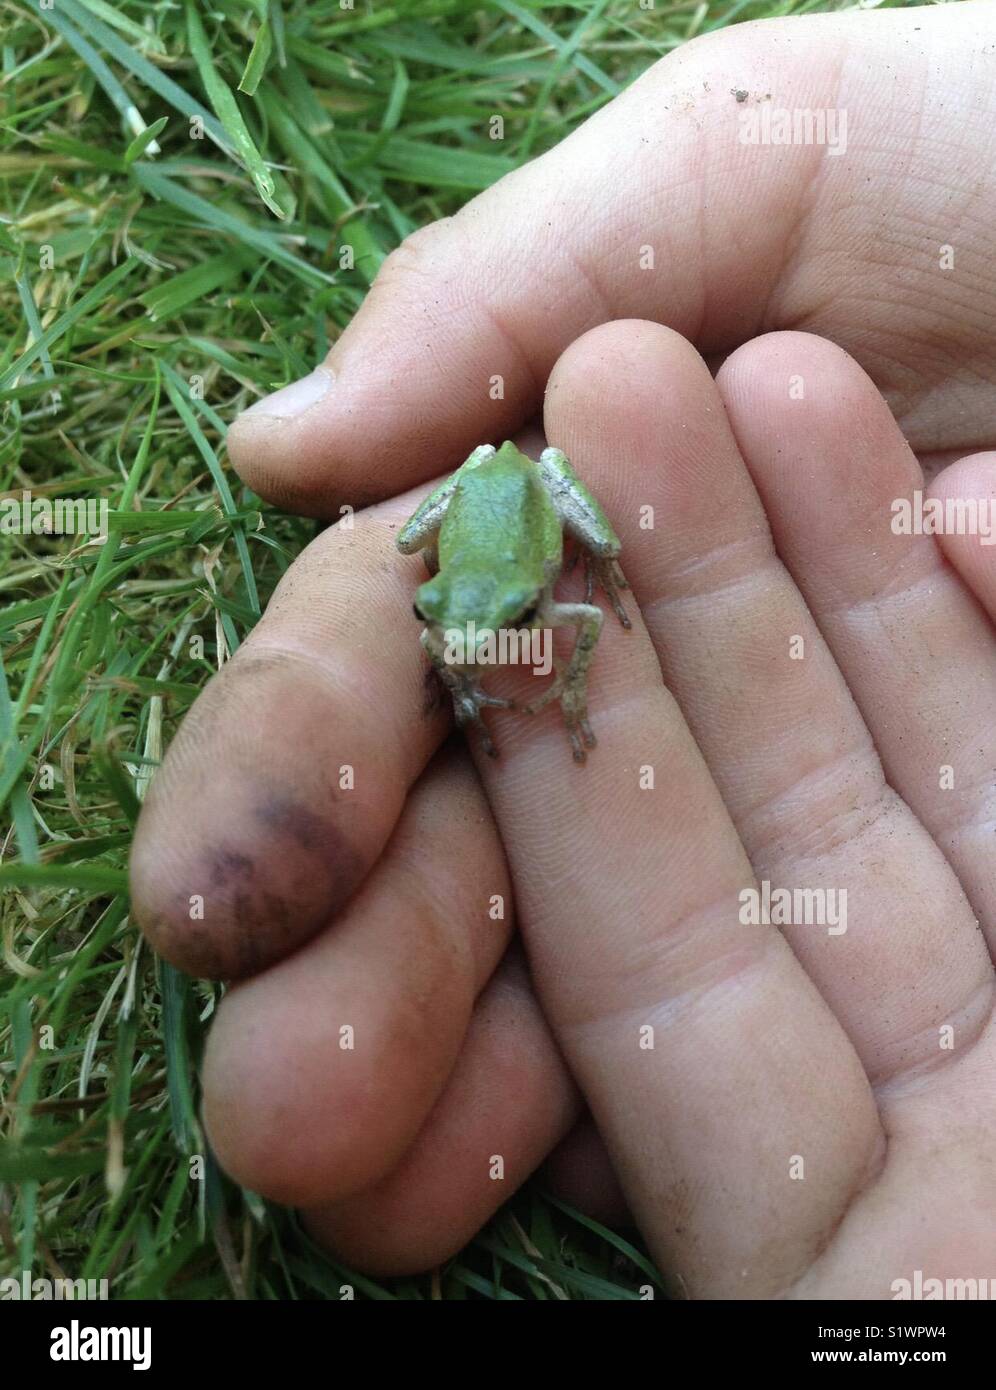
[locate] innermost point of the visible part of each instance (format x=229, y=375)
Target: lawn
x=194, y=202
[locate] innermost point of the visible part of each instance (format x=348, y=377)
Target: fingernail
x=295, y=398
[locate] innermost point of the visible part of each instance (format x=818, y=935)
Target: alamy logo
x=945, y=516
x=43, y=1290
x=82, y=1343
x=23, y=514
x=774, y=125
x=928, y=1289
x=794, y=907
x=506, y=646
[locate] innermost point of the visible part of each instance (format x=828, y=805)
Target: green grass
x=152, y=285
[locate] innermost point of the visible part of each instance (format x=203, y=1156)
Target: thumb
x=654, y=209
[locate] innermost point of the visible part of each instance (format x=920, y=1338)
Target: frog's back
x=501, y=511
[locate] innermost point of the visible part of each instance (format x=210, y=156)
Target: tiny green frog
x=492, y=538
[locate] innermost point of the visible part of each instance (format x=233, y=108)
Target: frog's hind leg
x=570, y=684
x=583, y=519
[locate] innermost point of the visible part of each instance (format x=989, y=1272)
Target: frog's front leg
x=570, y=685
x=582, y=517
x=464, y=685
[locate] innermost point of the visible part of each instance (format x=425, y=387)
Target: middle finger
x=765, y=700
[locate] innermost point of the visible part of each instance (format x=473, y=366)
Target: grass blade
x=228, y=113
x=129, y=112
x=258, y=58
x=206, y=214
x=99, y=295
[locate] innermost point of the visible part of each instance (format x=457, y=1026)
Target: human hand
x=411, y=397
x=866, y=1056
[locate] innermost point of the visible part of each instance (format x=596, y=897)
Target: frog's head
x=483, y=597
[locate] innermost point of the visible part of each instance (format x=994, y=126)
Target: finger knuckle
x=421, y=255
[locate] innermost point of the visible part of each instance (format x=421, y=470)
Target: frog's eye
x=526, y=618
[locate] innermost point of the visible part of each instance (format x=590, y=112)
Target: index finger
x=286, y=778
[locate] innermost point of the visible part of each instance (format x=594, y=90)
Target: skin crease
x=822, y=771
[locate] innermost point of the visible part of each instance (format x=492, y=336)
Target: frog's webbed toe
x=468, y=701
x=575, y=708
x=572, y=695
x=605, y=571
